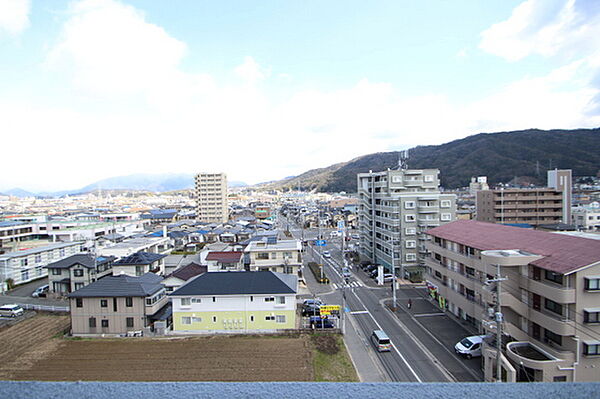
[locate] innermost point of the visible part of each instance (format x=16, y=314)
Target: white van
x=470, y=346
x=381, y=341
x=12, y=310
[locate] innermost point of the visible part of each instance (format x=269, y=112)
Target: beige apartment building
x=282, y=256
x=211, y=198
x=396, y=207
x=549, y=298
x=534, y=206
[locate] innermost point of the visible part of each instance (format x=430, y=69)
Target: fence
x=44, y=308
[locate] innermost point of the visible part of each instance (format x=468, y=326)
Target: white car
x=470, y=346
x=11, y=310
x=326, y=254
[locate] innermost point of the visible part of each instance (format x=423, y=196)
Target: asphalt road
x=417, y=355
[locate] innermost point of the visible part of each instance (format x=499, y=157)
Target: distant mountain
x=18, y=192
x=499, y=156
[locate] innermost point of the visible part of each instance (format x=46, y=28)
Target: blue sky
x=262, y=90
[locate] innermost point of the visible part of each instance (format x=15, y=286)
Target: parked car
x=11, y=310
x=40, y=291
x=314, y=302
x=318, y=322
x=326, y=254
x=470, y=346
x=311, y=310
x=388, y=277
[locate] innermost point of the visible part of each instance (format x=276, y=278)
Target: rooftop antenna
x=403, y=160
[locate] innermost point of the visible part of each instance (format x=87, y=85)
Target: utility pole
x=498, y=317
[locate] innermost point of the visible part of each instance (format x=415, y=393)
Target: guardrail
x=44, y=308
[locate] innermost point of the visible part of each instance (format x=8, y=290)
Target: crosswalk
x=352, y=284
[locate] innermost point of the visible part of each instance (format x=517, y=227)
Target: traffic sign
x=320, y=243
x=329, y=308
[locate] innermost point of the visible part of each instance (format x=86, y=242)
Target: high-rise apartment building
x=549, y=297
x=396, y=207
x=211, y=198
x=534, y=206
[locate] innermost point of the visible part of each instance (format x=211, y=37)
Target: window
x=280, y=300
x=280, y=319
x=186, y=320
x=553, y=306
x=78, y=272
x=24, y=262
x=79, y=302
x=92, y=322
x=56, y=272
x=410, y=231
x=262, y=255
x=410, y=244
x=428, y=178
x=186, y=302
x=214, y=299
x=252, y=318
x=591, y=316
x=554, y=277
x=409, y=218
x=104, y=323
x=214, y=319
x=446, y=216
x=591, y=348
x=114, y=304
x=129, y=322
x=129, y=302
x=409, y=205
x=445, y=203
x=269, y=318
x=550, y=337
x=410, y=257
x=38, y=258
x=196, y=300
x=592, y=283
x=103, y=303
x=270, y=299
x=196, y=319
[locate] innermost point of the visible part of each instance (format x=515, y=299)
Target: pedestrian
x=409, y=303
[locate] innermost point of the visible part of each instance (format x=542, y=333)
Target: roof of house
x=139, y=258
x=226, y=257
x=188, y=271
x=85, y=260
x=238, y=283
x=121, y=286
x=561, y=253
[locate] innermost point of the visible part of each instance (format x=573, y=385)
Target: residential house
x=180, y=276
x=283, y=256
x=157, y=245
x=77, y=271
x=235, y=302
x=115, y=305
x=229, y=261
x=139, y=264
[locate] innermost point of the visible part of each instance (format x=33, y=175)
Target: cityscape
x=178, y=226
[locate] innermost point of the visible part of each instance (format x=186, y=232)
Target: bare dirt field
x=34, y=352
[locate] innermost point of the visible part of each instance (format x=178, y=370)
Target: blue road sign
x=320, y=243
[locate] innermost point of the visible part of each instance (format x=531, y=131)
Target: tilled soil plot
x=23, y=344
x=219, y=358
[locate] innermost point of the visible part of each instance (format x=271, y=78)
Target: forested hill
x=499, y=156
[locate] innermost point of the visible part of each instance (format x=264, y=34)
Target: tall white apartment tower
x=396, y=208
x=211, y=198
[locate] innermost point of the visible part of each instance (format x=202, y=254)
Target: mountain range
x=502, y=156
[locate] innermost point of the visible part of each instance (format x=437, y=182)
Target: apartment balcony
x=413, y=183
x=468, y=282
x=510, y=301
x=529, y=355
x=428, y=209
x=390, y=209
x=549, y=348
x=549, y=290
x=470, y=261
x=551, y=321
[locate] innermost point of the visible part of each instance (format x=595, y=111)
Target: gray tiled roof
x=84, y=260
x=236, y=283
x=139, y=258
x=121, y=286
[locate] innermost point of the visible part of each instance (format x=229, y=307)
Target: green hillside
x=499, y=156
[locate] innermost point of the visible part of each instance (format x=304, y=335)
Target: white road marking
x=428, y=314
x=393, y=346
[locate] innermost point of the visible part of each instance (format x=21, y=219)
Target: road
x=417, y=356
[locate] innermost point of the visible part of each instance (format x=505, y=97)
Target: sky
x=261, y=90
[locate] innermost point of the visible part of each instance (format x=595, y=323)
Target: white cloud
x=166, y=119
x=14, y=16
x=563, y=28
